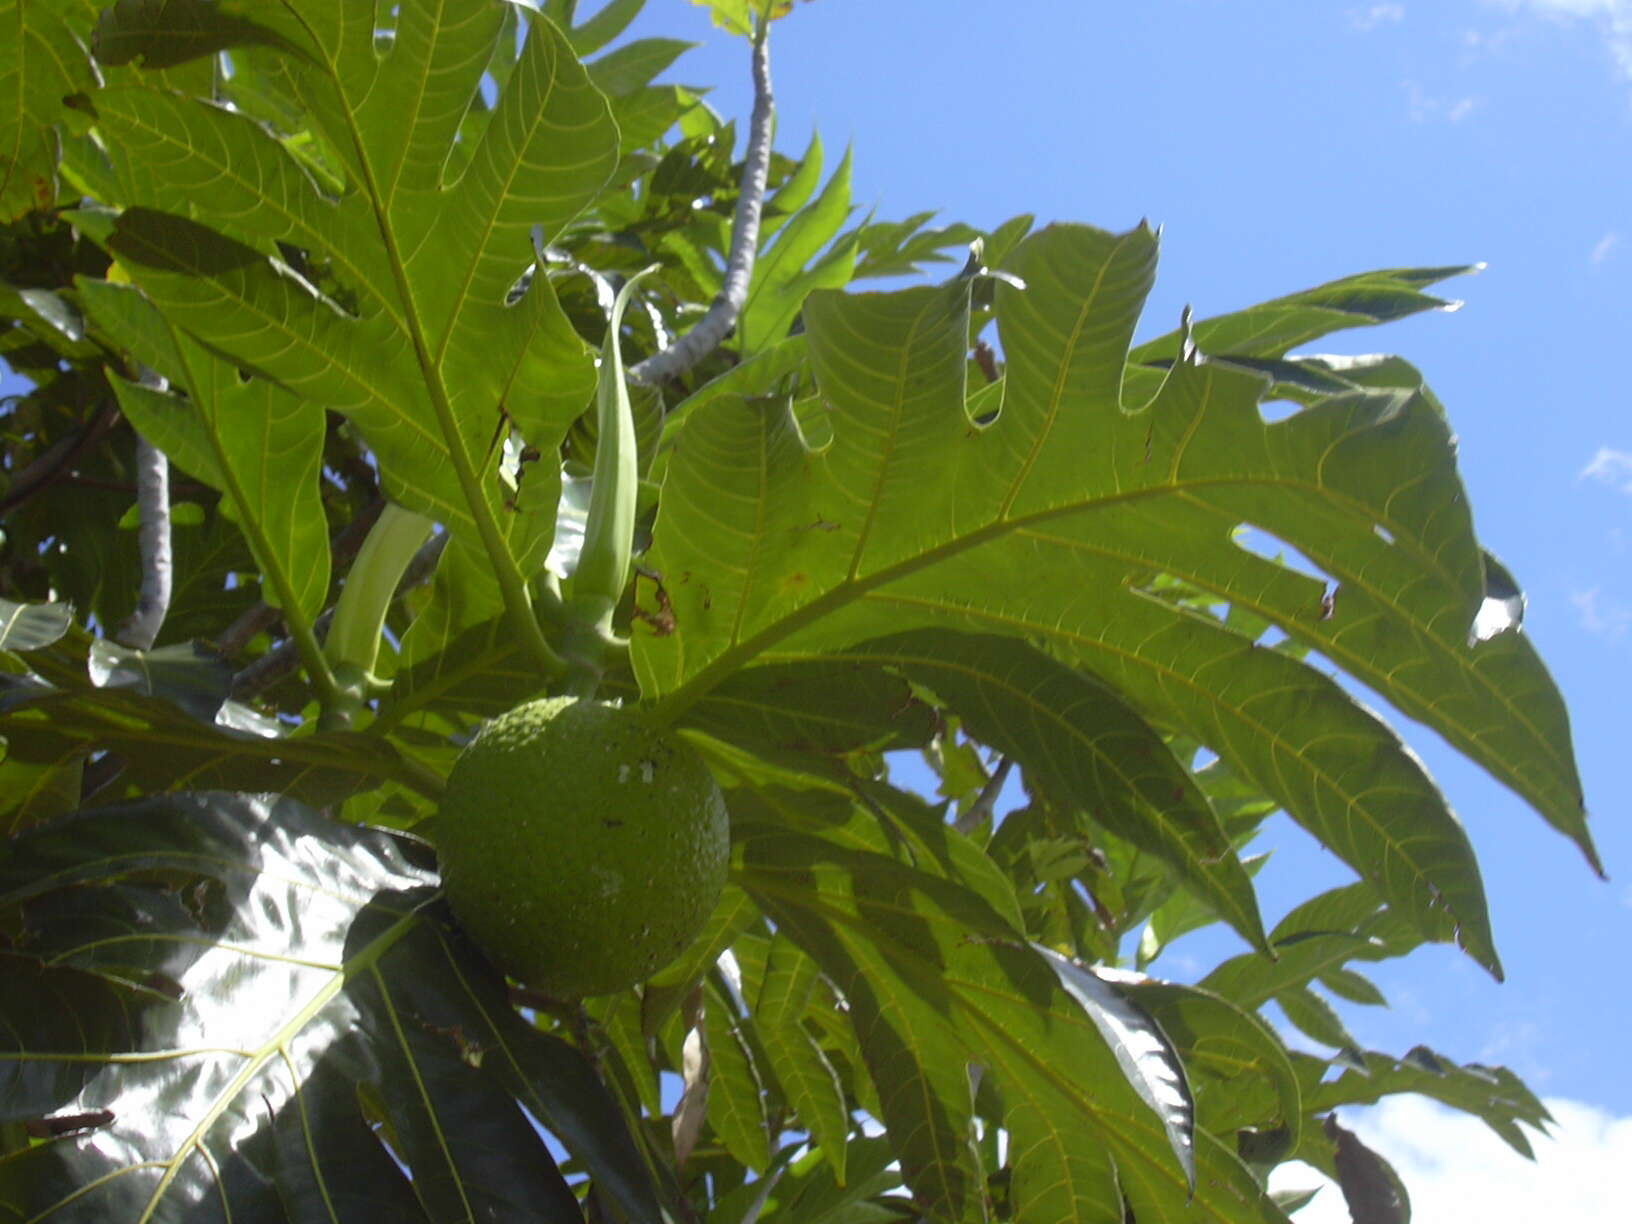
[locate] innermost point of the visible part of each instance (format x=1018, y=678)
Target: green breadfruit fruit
x=581, y=846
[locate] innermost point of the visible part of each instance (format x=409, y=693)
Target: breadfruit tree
x=393, y=366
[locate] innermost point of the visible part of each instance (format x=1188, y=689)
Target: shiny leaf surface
x=280, y=1023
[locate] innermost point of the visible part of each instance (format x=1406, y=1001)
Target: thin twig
x=185, y=489
x=712, y=329
x=766, y=1185
x=141, y=629
x=56, y=460
x=275, y=664
x=970, y=818
x=284, y=658
x=250, y=624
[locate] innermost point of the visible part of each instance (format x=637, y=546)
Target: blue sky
x=1281, y=144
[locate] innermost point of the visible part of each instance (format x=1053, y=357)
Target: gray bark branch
x=142, y=627
x=969, y=819
x=712, y=329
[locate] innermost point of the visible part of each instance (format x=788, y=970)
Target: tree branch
x=158, y=569
x=969, y=820
x=712, y=329
x=57, y=460
x=766, y=1185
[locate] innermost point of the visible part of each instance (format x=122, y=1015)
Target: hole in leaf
x=1181, y=594
x=518, y=287
x=1275, y=411
x=378, y=1119
x=386, y=17
x=984, y=404
x=1503, y=606
x=1495, y=616
x=385, y=1142
x=1277, y=551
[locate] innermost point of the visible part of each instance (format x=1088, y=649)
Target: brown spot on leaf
x=661, y=619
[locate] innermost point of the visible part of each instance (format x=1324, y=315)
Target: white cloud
x=1370, y=18
x=1605, y=247
x=1573, y=8
x=1514, y=1042
x=1425, y=107
x=1611, y=467
x=1480, y=43
x=1455, y=1168
x=1601, y=614
x=1612, y=19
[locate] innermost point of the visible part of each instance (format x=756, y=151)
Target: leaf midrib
x=308, y=752
x=853, y=587
x=672, y=705
x=677, y=700
x=512, y=585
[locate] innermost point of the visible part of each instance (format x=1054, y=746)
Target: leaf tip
x=1590, y=850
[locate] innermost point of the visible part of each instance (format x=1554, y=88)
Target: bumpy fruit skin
x=581, y=847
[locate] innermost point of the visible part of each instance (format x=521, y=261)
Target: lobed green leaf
x=1059, y=521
